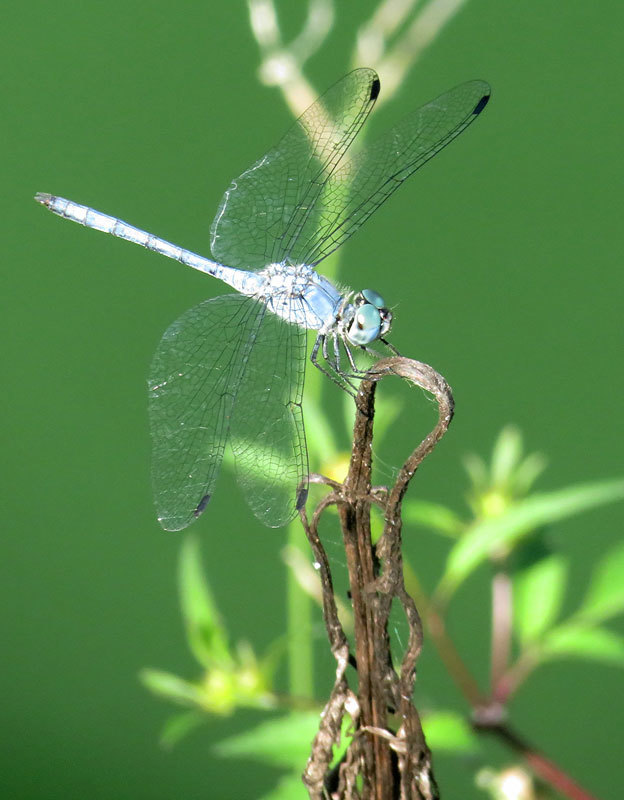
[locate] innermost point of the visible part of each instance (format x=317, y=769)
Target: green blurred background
x=502, y=257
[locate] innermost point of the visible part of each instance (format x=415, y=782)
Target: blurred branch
x=391, y=41
x=395, y=61
x=383, y=24
x=281, y=64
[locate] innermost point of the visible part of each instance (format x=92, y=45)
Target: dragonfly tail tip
x=44, y=198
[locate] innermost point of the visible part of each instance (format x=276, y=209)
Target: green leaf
x=605, y=596
x=280, y=741
x=171, y=687
x=537, y=596
x=449, y=731
x=433, y=515
x=477, y=470
x=206, y=635
x=520, y=519
x=582, y=641
x=527, y=473
x=179, y=726
x=506, y=454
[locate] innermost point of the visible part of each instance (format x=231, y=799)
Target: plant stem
x=543, y=767
x=501, y=626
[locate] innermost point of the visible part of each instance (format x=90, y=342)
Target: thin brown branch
x=415, y=763
x=336, y=634
x=317, y=769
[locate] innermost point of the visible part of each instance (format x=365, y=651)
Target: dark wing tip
x=375, y=88
x=201, y=506
x=302, y=496
x=481, y=104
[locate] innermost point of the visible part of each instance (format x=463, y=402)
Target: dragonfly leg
x=336, y=348
x=356, y=372
x=335, y=362
x=333, y=374
x=325, y=356
x=337, y=365
x=375, y=354
x=390, y=347
x=354, y=366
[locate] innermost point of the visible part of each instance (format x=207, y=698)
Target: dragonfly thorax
x=298, y=294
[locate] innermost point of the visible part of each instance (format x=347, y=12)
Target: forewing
x=265, y=210
x=195, y=375
x=361, y=184
x=267, y=436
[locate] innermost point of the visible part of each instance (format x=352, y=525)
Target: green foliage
x=280, y=741
x=605, y=596
x=507, y=531
x=231, y=679
x=283, y=742
x=538, y=594
x=498, y=533
x=171, y=687
x=205, y=633
x=509, y=476
x=583, y=641
x=435, y=516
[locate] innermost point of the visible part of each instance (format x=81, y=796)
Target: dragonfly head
x=371, y=318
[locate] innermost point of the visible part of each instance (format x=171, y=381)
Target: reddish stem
x=502, y=610
x=543, y=767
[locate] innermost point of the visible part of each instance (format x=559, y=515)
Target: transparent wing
x=360, y=185
x=267, y=435
x=194, y=379
x=305, y=198
x=264, y=211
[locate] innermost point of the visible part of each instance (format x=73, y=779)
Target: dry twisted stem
x=390, y=764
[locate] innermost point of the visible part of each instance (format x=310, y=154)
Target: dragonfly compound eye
x=366, y=325
x=373, y=298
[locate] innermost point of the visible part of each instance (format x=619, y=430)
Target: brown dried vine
x=387, y=757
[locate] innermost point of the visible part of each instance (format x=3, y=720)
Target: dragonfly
x=231, y=369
